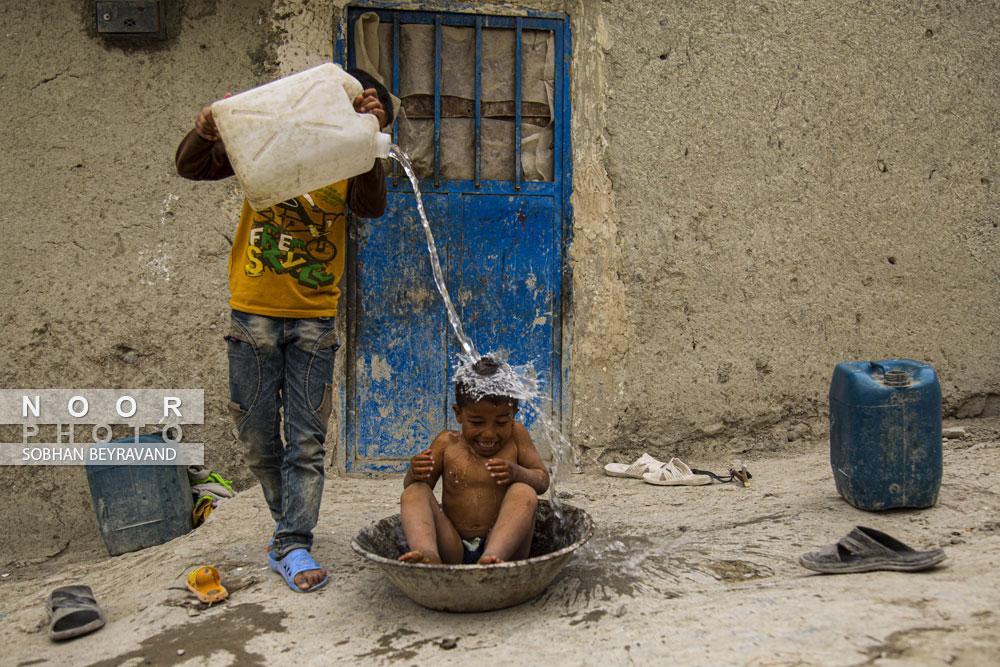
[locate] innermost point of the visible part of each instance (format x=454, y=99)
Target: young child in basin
x=492, y=477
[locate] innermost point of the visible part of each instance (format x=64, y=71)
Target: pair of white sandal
x=653, y=471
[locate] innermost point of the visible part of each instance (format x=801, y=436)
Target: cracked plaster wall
x=799, y=184
x=761, y=190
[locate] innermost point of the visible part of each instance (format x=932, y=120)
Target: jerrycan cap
x=896, y=378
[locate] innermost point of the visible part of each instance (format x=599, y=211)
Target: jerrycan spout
x=381, y=143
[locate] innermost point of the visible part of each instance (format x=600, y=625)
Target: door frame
x=563, y=183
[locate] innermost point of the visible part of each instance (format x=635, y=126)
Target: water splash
x=520, y=382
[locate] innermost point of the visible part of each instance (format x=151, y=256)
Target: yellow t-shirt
x=286, y=260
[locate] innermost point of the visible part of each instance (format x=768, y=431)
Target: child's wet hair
x=465, y=393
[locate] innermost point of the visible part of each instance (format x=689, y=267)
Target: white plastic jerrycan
x=298, y=134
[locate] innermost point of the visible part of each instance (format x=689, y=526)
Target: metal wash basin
x=478, y=587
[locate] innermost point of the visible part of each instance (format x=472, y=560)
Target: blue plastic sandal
x=294, y=562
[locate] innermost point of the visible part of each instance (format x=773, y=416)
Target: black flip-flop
x=73, y=611
x=866, y=549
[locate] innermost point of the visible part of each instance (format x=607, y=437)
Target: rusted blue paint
x=502, y=245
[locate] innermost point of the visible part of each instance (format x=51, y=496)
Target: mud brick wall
x=761, y=190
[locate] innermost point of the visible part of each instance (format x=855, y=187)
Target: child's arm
x=426, y=466
x=529, y=468
x=201, y=159
x=201, y=155
x=366, y=194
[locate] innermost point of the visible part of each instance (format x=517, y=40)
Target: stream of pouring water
x=515, y=381
x=468, y=349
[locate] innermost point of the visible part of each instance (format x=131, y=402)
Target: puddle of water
x=618, y=563
x=226, y=632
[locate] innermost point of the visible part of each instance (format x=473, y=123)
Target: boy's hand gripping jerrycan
x=885, y=433
x=298, y=134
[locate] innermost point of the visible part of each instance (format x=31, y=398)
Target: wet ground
x=689, y=575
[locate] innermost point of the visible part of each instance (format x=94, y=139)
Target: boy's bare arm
x=426, y=466
x=537, y=476
x=529, y=469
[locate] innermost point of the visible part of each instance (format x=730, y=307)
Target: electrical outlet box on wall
x=120, y=18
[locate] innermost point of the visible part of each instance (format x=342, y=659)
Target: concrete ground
x=695, y=575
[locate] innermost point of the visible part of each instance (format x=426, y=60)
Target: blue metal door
x=501, y=232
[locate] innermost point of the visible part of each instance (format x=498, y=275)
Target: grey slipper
x=867, y=549
x=73, y=611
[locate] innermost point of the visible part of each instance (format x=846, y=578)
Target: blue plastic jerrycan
x=885, y=433
x=139, y=506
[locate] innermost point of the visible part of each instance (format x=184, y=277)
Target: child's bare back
x=492, y=477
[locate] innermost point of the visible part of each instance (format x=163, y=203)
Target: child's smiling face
x=486, y=426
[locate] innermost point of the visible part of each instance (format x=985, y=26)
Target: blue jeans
x=282, y=366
